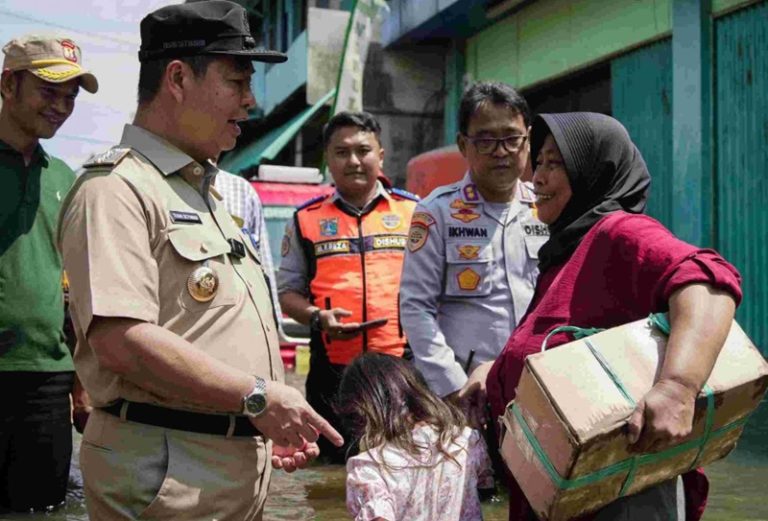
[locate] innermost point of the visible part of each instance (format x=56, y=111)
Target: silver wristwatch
x=255, y=402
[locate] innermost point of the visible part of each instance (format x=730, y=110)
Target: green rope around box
x=620, y=466
x=630, y=465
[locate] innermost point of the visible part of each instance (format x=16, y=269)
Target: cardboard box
x=564, y=437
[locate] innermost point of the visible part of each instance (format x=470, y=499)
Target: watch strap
x=259, y=388
x=314, y=321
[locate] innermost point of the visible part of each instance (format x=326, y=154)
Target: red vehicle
x=281, y=189
x=438, y=167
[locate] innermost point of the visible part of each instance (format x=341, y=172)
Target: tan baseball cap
x=54, y=60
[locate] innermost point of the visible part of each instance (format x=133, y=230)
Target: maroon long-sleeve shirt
x=625, y=268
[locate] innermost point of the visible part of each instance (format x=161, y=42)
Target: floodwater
x=738, y=492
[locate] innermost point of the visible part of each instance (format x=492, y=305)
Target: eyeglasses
x=488, y=145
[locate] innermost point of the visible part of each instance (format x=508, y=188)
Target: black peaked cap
x=206, y=27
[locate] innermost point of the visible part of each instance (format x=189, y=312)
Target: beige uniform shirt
x=133, y=230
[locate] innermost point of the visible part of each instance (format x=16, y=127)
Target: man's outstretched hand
x=290, y=458
x=289, y=421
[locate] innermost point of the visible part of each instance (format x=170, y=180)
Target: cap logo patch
x=69, y=50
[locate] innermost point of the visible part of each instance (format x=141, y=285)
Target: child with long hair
x=418, y=459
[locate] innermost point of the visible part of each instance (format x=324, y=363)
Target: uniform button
x=203, y=248
x=269, y=328
x=197, y=170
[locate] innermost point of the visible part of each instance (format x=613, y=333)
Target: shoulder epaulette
x=442, y=190
x=312, y=201
x=405, y=194
x=109, y=158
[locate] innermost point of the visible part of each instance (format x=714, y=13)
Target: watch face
x=255, y=404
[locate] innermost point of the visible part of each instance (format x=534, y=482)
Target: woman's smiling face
x=551, y=184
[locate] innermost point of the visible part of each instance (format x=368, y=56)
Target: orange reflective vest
x=355, y=263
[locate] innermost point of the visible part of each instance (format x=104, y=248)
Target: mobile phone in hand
x=372, y=324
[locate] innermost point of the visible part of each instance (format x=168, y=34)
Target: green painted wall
x=454, y=87
x=741, y=130
x=548, y=39
x=641, y=98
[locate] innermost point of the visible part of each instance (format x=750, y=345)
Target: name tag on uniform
x=185, y=217
x=237, y=248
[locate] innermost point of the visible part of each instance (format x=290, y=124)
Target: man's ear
x=461, y=142
x=9, y=84
x=176, y=79
x=381, y=158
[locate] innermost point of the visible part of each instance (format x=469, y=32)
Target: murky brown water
x=739, y=487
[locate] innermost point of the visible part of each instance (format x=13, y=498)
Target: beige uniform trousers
x=133, y=471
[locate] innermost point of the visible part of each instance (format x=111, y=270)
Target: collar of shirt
x=380, y=192
x=470, y=194
x=39, y=154
x=166, y=157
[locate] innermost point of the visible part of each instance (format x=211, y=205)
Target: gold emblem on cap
x=202, y=284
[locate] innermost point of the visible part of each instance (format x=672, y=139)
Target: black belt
x=183, y=420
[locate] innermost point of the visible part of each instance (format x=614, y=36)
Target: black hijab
x=605, y=170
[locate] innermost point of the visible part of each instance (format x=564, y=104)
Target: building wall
x=741, y=159
x=401, y=90
x=550, y=38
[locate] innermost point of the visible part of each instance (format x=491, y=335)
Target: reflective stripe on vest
x=358, y=270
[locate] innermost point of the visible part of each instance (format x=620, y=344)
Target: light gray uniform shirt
x=468, y=276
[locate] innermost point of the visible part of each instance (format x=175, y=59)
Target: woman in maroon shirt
x=605, y=265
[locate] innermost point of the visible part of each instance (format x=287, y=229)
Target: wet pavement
x=739, y=487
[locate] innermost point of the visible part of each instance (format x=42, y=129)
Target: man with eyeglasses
x=471, y=264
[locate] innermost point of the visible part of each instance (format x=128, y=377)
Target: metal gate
x=741, y=137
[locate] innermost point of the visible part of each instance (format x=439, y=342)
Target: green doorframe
x=455, y=65
x=692, y=156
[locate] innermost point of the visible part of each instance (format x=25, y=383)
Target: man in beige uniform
x=176, y=340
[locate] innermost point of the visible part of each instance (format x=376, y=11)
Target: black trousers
x=322, y=386
x=35, y=439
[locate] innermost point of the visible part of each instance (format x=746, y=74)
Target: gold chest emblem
x=202, y=284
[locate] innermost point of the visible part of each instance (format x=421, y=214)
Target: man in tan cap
x=176, y=342
x=40, y=80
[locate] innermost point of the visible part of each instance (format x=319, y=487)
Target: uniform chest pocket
x=533, y=244
x=468, y=269
x=203, y=275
